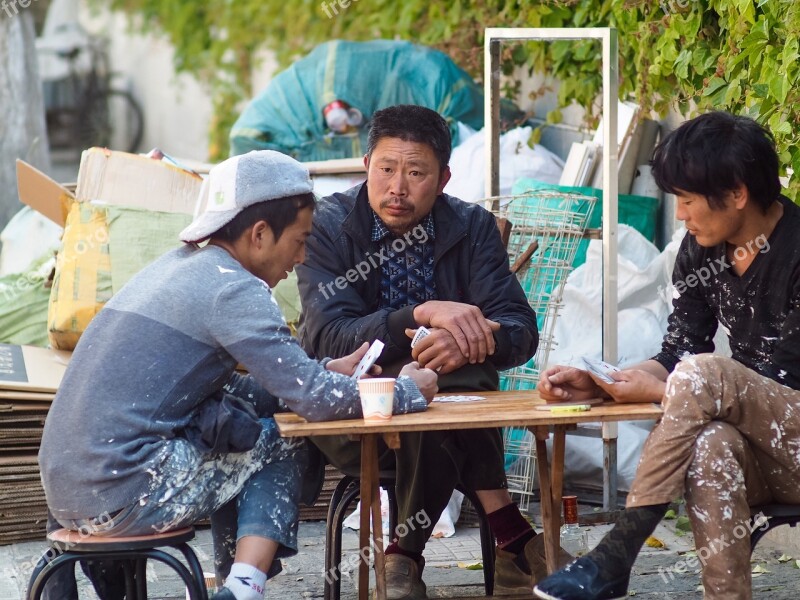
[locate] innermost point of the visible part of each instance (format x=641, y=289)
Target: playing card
x=368, y=360
x=421, y=333
x=599, y=369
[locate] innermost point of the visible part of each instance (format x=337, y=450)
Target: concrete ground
x=445, y=572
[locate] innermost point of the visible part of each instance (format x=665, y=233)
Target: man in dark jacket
x=394, y=254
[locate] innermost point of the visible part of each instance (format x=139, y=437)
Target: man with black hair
x=729, y=438
x=152, y=429
x=394, y=254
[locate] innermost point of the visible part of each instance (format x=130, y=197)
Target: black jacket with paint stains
x=759, y=311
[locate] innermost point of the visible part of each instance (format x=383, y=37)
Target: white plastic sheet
x=517, y=160
x=645, y=295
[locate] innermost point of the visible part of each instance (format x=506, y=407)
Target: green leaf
x=682, y=523
x=780, y=86
x=682, y=63
x=714, y=85
x=783, y=129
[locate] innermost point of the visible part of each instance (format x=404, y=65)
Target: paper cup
x=377, y=398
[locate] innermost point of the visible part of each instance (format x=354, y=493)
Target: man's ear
x=257, y=232
x=366, y=162
x=443, y=179
x=741, y=196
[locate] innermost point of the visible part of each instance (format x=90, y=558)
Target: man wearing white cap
x=169, y=432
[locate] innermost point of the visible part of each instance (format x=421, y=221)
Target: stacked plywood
x=29, y=378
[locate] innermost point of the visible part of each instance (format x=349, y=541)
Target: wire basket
x=546, y=229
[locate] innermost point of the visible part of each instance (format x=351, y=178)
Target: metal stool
x=133, y=552
x=343, y=496
x=776, y=514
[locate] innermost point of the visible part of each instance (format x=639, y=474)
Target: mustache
x=396, y=203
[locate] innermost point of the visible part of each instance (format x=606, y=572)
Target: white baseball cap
x=242, y=181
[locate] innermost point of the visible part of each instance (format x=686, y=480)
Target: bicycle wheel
x=114, y=120
x=127, y=120
x=93, y=127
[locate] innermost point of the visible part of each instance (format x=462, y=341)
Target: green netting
x=287, y=115
x=640, y=212
x=553, y=224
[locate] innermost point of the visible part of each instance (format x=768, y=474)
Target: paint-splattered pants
x=729, y=439
x=188, y=486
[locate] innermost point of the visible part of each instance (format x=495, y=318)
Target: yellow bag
x=82, y=283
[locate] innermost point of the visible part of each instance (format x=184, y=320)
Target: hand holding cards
x=421, y=333
x=365, y=364
x=600, y=369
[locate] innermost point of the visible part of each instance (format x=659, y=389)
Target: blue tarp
x=287, y=115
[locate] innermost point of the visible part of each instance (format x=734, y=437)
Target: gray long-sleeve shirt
x=166, y=343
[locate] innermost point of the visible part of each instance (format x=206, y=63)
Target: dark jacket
x=470, y=266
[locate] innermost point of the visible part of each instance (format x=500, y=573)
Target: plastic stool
x=133, y=552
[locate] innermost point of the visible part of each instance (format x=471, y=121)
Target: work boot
x=517, y=574
x=403, y=581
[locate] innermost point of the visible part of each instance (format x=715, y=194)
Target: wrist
x=419, y=313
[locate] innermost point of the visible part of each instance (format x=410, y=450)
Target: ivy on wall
x=693, y=55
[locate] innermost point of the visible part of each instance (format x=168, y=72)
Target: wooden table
x=499, y=409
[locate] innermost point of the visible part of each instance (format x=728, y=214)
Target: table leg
x=551, y=520
x=377, y=525
x=370, y=503
x=557, y=466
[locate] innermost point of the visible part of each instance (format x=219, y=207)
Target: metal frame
x=494, y=37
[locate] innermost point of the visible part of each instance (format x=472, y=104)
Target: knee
x=702, y=366
x=716, y=462
x=693, y=375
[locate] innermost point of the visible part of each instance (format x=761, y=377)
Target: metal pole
x=491, y=84
x=608, y=38
x=610, y=277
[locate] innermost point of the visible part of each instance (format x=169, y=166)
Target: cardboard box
x=124, y=179
x=31, y=369
x=43, y=194
x=110, y=177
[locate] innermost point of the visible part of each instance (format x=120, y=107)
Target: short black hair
x=412, y=123
x=714, y=154
x=278, y=214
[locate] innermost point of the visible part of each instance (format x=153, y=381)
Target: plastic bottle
x=573, y=539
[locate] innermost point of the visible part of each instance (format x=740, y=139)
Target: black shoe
x=582, y=580
x=223, y=594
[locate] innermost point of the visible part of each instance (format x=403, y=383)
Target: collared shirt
x=407, y=275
